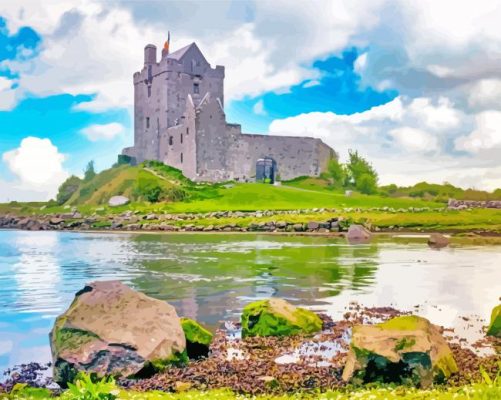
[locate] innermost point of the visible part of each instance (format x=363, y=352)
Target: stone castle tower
x=179, y=119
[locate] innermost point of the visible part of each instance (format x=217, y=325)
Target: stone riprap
x=110, y=329
x=466, y=204
x=186, y=222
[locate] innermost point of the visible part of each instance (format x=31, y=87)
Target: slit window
x=181, y=158
x=149, y=91
x=187, y=131
x=171, y=140
x=147, y=122
x=196, y=88
x=181, y=138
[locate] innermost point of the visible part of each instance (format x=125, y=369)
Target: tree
x=366, y=184
x=89, y=171
x=361, y=173
x=67, y=188
x=337, y=172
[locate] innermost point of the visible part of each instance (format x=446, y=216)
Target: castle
x=179, y=119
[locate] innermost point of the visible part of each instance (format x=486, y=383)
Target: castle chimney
x=150, y=54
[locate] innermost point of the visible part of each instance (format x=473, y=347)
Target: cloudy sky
x=415, y=86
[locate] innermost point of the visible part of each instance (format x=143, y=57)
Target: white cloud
x=412, y=139
x=486, y=136
x=7, y=94
x=103, y=132
x=258, y=108
x=38, y=167
x=405, y=141
x=485, y=94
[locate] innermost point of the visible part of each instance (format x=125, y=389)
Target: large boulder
x=116, y=201
x=358, y=233
x=406, y=348
x=110, y=329
x=277, y=317
x=437, y=241
x=495, y=325
x=198, y=339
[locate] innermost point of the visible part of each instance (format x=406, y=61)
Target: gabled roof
x=179, y=54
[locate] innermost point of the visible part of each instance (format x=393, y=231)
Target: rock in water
x=358, y=233
x=403, y=348
x=110, y=329
x=437, y=241
x=276, y=317
x=198, y=339
x=116, y=201
x=495, y=325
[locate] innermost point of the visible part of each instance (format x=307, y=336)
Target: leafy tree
x=337, y=172
x=366, y=184
x=89, y=172
x=361, y=173
x=68, y=187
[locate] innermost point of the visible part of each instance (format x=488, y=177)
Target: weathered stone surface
x=437, y=241
x=358, y=233
x=110, y=329
x=406, y=347
x=198, y=339
x=277, y=317
x=495, y=324
x=116, y=201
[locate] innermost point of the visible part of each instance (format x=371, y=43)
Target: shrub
x=66, y=190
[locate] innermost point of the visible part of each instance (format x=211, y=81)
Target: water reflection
x=211, y=277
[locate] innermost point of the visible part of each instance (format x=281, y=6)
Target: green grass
x=258, y=196
x=480, y=391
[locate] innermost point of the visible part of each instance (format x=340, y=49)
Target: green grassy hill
x=151, y=182
x=154, y=184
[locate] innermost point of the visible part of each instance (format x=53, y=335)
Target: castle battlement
x=179, y=119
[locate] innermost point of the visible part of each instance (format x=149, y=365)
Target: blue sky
x=358, y=76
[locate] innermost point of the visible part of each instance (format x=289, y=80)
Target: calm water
x=211, y=277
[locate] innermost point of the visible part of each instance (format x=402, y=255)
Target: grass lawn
x=257, y=196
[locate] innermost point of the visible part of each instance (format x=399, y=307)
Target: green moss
x=404, y=323
x=495, y=324
x=196, y=333
x=72, y=339
x=178, y=359
x=404, y=343
x=260, y=318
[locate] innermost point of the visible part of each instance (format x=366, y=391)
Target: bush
x=366, y=184
x=152, y=193
x=87, y=387
x=67, y=189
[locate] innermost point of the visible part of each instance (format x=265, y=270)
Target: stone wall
x=464, y=204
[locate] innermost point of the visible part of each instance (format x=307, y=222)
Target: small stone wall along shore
x=187, y=222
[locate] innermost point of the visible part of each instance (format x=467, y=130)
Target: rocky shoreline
x=277, y=365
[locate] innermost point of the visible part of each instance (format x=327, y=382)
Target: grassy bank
x=480, y=391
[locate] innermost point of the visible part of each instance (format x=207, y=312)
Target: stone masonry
x=179, y=119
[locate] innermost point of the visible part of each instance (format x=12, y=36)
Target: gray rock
x=116, y=201
x=358, y=233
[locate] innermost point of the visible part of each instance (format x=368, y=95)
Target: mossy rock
x=277, y=317
x=198, y=339
x=495, y=325
x=406, y=349
x=103, y=333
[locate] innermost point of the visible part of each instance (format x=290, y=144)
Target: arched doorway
x=266, y=170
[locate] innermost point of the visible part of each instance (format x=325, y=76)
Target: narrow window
x=149, y=91
x=181, y=158
x=181, y=138
x=196, y=88
x=187, y=131
x=171, y=140
x=147, y=122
